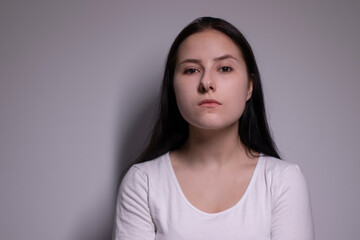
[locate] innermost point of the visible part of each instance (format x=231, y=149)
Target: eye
x=190, y=71
x=225, y=69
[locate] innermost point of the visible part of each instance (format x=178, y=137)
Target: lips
x=209, y=102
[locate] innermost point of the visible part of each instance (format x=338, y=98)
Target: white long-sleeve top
x=275, y=205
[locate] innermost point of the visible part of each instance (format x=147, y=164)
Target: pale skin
x=212, y=168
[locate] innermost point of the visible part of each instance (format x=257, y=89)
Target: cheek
x=236, y=98
x=182, y=95
x=238, y=92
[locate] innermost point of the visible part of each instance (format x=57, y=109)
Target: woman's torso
x=176, y=218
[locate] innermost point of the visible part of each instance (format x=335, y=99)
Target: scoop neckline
x=180, y=191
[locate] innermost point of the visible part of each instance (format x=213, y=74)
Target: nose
x=207, y=83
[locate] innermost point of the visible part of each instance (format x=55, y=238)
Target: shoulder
x=274, y=164
x=291, y=205
x=144, y=172
x=153, y=166
x=279, y=168
x=284, y=175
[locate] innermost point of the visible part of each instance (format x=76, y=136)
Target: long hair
x=171, y=130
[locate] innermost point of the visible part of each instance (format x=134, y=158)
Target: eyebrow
x=226, y=56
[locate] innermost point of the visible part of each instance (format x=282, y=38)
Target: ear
x=250, y=87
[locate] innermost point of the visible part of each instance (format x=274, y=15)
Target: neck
x=214, y=148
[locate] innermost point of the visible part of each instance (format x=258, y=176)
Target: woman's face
x=211, y=82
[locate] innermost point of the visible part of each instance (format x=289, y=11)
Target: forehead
x=208, y=43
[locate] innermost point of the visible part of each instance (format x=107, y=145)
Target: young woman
x=211, y=170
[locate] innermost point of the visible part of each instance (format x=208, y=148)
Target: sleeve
x=291, y=213
x=133, y=220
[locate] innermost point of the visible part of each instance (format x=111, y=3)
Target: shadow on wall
x=136, y=136
x=99, y=222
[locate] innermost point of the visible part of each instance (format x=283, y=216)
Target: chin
x=213, y=125
x=212, y=121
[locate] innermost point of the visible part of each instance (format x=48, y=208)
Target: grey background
x=79, y=82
